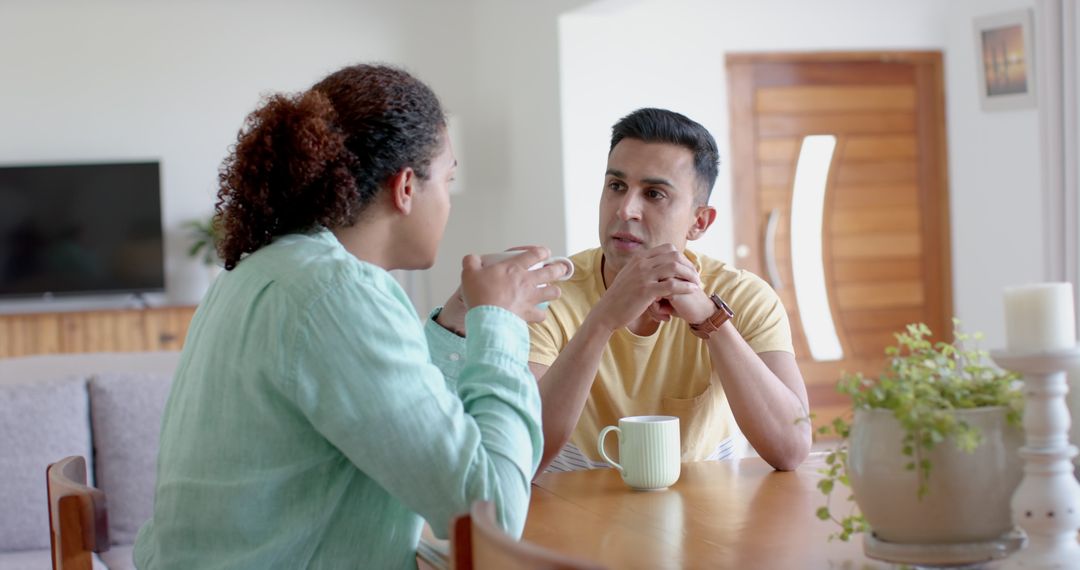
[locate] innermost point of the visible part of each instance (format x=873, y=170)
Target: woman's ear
x=402, y=189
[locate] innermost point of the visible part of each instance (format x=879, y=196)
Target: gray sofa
x=106, y=407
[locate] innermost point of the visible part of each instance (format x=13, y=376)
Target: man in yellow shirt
x=646, y=326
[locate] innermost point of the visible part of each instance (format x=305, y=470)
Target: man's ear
x=402, y=187
x=703, y=218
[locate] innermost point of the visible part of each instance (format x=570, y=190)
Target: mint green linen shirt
x=314, y=422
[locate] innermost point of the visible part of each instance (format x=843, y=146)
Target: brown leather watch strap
x=721, y=316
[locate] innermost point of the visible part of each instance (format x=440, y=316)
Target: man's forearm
x=765, y=407
x=565, y=386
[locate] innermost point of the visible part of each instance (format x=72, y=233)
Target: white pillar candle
x=1039, y=317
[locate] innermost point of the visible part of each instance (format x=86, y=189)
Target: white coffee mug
x=649, y=449
x=489, y=258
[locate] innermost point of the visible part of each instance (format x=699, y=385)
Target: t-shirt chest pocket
x=701, y=422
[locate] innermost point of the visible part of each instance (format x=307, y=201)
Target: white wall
x=535, y=92
x=996, y=183
x=507, y=98
x=625, y=55
x=118, y=79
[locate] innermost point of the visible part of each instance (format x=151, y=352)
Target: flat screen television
x=78, y=229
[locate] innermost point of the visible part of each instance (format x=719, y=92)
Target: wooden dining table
x=720, y=514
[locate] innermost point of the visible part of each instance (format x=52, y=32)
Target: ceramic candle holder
x=1046, y=505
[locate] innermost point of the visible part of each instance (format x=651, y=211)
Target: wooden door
x=883, y=217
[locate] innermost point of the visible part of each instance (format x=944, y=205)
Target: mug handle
x=600, y=445
x=565, y=262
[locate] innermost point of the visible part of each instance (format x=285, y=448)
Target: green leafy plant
x=923, y=385
x=205, y=235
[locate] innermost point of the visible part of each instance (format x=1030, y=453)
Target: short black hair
x=653, y=125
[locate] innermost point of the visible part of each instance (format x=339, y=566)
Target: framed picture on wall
x=1006, y=61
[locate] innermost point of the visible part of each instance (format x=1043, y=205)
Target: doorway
x=841, y=202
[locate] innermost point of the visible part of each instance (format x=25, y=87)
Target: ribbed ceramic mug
x=649, y=449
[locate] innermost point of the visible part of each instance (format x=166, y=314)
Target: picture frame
x=1006, y=60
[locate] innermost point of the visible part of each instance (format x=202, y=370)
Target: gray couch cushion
x=36, y=560
x=125, y=411
x=41, y=421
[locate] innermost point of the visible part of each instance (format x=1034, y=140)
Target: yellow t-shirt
x=668, y=372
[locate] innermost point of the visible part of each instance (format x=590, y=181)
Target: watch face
x=722, y=305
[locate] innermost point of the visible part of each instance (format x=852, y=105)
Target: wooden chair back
x=78, y=515
x=477, y=542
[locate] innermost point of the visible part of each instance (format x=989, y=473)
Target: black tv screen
x=80, y=229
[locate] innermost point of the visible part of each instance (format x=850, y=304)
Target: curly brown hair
x=318, y=158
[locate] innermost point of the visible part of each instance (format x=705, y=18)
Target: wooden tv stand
x=113, y=330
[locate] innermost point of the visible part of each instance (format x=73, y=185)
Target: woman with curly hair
x=314, y=421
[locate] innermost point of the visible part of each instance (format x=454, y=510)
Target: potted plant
x=931, y=456
x=205, y=235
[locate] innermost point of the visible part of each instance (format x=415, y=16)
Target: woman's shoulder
x=311, y=266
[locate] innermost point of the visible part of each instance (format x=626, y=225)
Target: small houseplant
x=931, y=453
x=205, y=235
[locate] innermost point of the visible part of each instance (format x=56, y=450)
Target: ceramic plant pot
x=968, y=494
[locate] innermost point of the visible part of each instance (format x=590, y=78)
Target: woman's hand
x=509, y=283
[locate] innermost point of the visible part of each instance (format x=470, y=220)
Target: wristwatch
x=722, y=314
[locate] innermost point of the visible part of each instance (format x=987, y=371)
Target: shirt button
x=455, y=356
